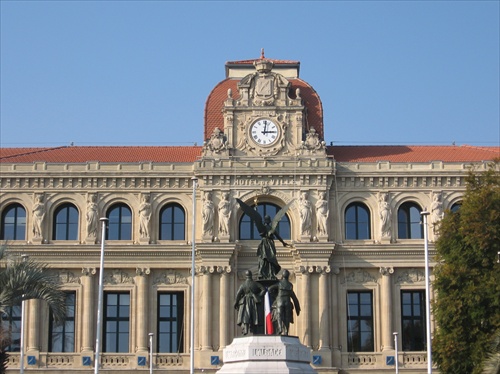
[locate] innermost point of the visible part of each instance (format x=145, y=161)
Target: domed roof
x=237, y=70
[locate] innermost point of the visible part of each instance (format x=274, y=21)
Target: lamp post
x=99, y=302
x=151, y=352
x=23, y=312
x=396, y=361
x=427, y=295
x=193, y=241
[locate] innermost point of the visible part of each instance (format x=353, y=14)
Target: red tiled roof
x=410, y=153
x=216, y=98
x=392, y=153
x=102, y=154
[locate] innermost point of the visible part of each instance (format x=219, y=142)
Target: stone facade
x=325, y=263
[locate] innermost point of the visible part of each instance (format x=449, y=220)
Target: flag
x=268, y=315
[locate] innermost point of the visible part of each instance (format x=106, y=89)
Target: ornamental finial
x=262, y=53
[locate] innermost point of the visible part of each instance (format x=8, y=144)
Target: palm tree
x=25, y=279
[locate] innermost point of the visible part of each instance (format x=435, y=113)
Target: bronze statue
x=248, y=296
x=266, y=251
x=285, y=302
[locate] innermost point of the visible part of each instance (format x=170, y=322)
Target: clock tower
x=263, y=108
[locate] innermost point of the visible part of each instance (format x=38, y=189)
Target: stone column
x=88, y=310
x=142, y=309
x=305, y=303
x=33, y=338
x=337, y=359
x=224, y=306
x=386, y=308
x=324, y=312
x=206, y=318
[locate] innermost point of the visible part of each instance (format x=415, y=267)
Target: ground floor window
x=62, y=336
x=413, y=320
x=360, y=321
x=11, y=328
x=170, y=322
x=116, y=322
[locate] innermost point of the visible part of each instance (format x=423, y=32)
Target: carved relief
x=117, y=277
x=170, y=277
x=144, y=216
x=89, y=271
x=411, y=276
x=92, y=215
x=225, y=210
x=322, y=212
x=385, y=215
x=66, y=276
x=358, y=276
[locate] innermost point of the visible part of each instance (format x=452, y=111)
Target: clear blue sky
x=139, y=72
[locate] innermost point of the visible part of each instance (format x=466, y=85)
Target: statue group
x=251, y=293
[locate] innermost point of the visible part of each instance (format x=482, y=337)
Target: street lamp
x=23, y=311
x=193, y=241
x=99, y=303
x=424, y=215
x=396, y=361
x=151, y=352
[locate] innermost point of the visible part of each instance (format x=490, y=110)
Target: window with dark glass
x=11, y=327
x=357, y=222
x=13, y=223
x=170, y=318
x=360, y=321
x=413, y=320
x=172, y=222
x=66, y=223
x=116, y=322
x=248, y=231
x=62, y=336
x=120, y=223
x=455, y=207
x=409, y=226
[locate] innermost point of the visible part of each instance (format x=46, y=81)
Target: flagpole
x=193, y=247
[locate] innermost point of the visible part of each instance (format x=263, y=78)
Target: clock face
x=265, y=132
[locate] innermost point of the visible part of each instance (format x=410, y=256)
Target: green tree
x=30, y=279
x=467, y=279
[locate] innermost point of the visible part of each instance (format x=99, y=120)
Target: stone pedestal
x=270, y=354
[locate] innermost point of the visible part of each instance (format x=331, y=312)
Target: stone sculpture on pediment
x=313, y=144
x=216, y=145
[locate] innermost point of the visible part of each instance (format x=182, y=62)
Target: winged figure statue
x=266, y=251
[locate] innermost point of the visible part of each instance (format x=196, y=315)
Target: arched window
x=357, y=222
x=456, y=207
x=65, y=223
x=120, y=222
x=13, y=223
x=172, y=222
x=409, y=226
x=248, y=231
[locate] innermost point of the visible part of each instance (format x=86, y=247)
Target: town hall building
x=356, y=254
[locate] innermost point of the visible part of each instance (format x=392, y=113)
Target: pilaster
x=224, y=303
x=386, y=308
x=87, y=310
x=142, y=308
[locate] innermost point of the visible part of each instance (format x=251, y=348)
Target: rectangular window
x=62, y=337
x=413, y=320
x=170, y=322
x=116, y=322
x=360, y=321
x=11, y=323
